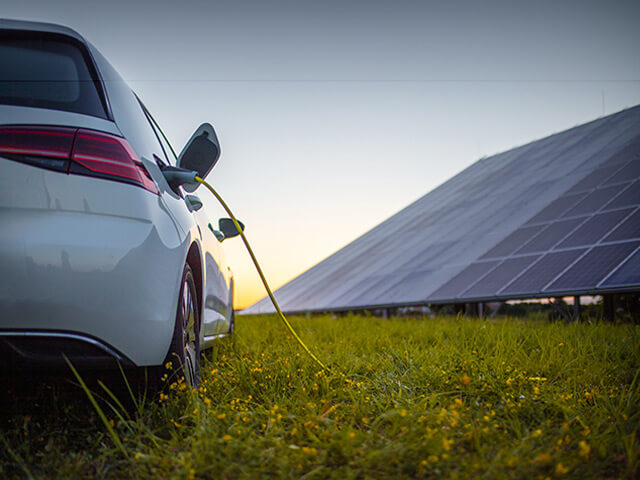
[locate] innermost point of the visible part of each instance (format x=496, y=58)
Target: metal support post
x=577, y=308
x=608, y=308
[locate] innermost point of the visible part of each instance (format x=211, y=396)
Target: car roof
x=7, y=24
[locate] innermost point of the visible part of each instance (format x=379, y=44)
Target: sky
x=333, y=115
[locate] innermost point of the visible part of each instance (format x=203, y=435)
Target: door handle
x=193, y=202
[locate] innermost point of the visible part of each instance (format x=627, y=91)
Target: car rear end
x=88, y=251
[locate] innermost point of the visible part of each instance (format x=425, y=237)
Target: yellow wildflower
x=446, y=444
x=585, y=449
x=543, y=458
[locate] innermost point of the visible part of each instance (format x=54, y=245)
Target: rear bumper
x=95, y=259
x=35, y=350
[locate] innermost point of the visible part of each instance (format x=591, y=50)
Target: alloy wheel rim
x=188, y=335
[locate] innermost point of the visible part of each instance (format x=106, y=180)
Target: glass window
x=48, y=71
x=168, y=151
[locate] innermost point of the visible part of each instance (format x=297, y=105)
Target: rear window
x=48, y=71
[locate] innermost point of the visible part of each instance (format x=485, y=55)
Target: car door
x=216, y=314
x=216, y=290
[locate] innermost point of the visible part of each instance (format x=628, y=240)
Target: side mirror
x=228, y=228
x=201, y=153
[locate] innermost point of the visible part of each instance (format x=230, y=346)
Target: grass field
x=422, y=398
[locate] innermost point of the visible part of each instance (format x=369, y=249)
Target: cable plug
x=177, y=177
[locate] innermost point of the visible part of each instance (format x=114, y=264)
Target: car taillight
x=48, y=147
x=76, y=151
x=107, y=156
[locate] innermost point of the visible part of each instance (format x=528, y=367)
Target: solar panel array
x=558, y=216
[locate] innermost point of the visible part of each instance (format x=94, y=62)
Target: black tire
x=183, y=359
x=232, y=323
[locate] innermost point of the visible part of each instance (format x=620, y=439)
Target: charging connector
x=176, y=177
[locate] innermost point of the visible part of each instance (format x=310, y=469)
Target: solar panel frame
x=593, y=202
x=625, y=154
x=630, y=171
x=556, y=208
x=490, y=284
x=630, y=196
x=626, y=275
x=594, y=179
x=513, y=242
x=539, y=274
x=594, y=229
x=463, y=280
x=551, y=235
x=590, y=269
x=628, y=229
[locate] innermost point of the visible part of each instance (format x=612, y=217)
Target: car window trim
x=156, y=128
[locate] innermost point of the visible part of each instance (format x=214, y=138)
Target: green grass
x=423, y=398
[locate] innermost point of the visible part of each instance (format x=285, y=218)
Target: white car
x=104, y=256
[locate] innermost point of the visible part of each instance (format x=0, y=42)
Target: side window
x=167, y=148
x=168, y=152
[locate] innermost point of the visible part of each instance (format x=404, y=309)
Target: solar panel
x=557, y=208
x=593, y=201
x=512, y=242
x=551, y=235
x=630, y=171
x=594, y=179
x=629, y=196
x=628, y=230
x=499, y=277
x=554, y=217
x=625, y=154
x=587, y=272
x=426, y=257
x=412, y=285
x=594, y=229
x=627, y=275
x=542, y=272
x=464, y=279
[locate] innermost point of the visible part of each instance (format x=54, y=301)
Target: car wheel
x=184, y=352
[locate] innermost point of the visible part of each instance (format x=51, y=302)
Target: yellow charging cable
x=262, y=277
